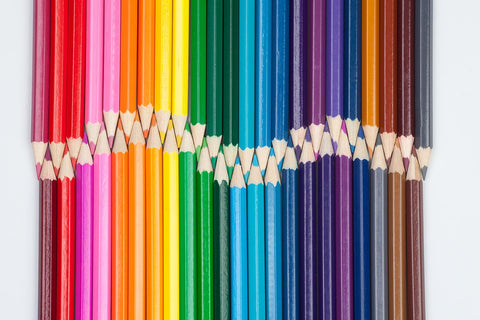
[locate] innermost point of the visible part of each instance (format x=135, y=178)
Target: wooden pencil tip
x=396, y=165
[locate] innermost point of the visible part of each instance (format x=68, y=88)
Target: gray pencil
x=379, y=233
x=423, y=82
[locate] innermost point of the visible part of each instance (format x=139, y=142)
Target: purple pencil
x=84, y=232
x=334, y=72
x=343, y=229
x=316, y=71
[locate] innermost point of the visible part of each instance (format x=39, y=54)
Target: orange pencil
x=119, y=226
x=136, y=223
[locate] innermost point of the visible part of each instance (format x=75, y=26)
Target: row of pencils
x=232, y=158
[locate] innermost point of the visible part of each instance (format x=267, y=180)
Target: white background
x=452, y=213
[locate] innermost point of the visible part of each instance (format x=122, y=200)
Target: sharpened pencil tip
x=424, y=172
x=38, y=167
x=110, y=141
x=406, y=162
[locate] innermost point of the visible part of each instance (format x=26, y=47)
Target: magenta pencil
x=102, y=228
x=111, y=68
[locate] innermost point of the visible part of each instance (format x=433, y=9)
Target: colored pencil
x=128, y=65
x=316, y=70
x=388, y=75
x=180, y=66
x=334, y=72
x=65, y=240
x=171, y=252
x=290, y=263
x=146, y=63
x=214, y=76
x=246, y=84
x=75, y=77
x=256, y=242
x=154, y=223
x=238, y=244
x=94, y=71
x=48, y=194
x=221, y=240
x=119, y=226
x=163, y=64
x=111, y=68
x=414, y=225
x=198, y=70
x=273, y=239
x=361, y=230
x=187, y=161
x=102, y=222
x=58, y=82
x=370, y=71
x=326, y=225
x=136, y=222
x=343, y=228
x=298, y=73
x=379, y=233
x=406, y=77
x=230, y=83
x=84, y=232
x=205, y=234
x=397, y=272
x=40, y=81
x=423, y=82
x=352, y=65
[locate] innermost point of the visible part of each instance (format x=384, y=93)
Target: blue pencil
x=238, y=244
x=256, y=243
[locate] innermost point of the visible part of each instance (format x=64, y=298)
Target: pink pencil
x=94, y=71
x=111, y=68
x=102, y=228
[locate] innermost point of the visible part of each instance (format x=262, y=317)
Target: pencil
x=298, y=73
x=370, y=71
x=238, y=244
x=388, y=75
x=163, y=64
x=290, y=263
x=65, y=240
x=171, y=259
x=343, y=228
x=334, y=72
x=256, y=242
x=84, y=232
x=361, y=230
x=136, y=223
x=414, y=225
x=154, y=223
x=397, y=273
x=198, y=70
x=352, y=65
x=188, y=227
x=40, y=81
x=75, y=77
x=180, y=66
x=326, y=224
x=423, y=82
x=379, y=233
x=316, y=70
x=246, y=84
x=58, y=82
x=146, y=63
x=111, y=68
x=94, y=71
x=230, y=83
x=221, y=240
x=214, y=76
x=128, y=65
x=204, y=241
x=273, y=239
x=406, y=77
x=119, y=226
x=48, y=241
